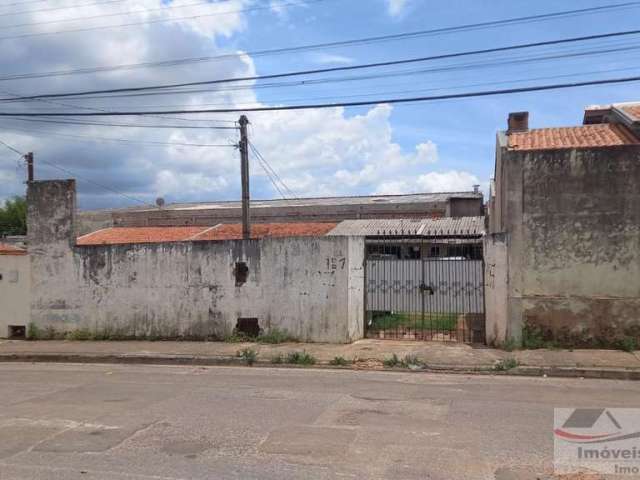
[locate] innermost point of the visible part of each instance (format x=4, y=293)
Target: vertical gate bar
x=422, y=290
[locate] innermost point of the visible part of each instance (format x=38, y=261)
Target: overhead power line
x=341, y=68
x=117, y=14
x=94, y=138
x=452, y=96
x=308, y=47
x=271, y=173
x=50, y=9
x=15, y=150
x=368, y=76
x=100, y=185
x=154, y=21
x=127, y=125
x=75, y=175
x=359, y=67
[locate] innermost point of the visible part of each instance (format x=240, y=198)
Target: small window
x=17, y=331
x=13, y=276
x=241, y=273
x=248, y=327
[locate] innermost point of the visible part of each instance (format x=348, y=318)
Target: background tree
x=13, y=217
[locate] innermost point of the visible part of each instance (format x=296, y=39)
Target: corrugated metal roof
x=7, y=249
x=320, y=201
x=427, y=227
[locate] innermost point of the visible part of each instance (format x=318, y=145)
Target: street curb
x=196, y=360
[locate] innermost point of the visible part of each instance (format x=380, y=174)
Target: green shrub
x=249, y=355
x=532, y=337
x=628, y=344
x=80, y=334
x=238, y=337
x=339, y=361
x=275, y=335
x=410, y=360
x=300, y=358
x=505, y=364
x=509, y=345
x=392, y=361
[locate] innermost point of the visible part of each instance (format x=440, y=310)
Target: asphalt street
x=159, y=422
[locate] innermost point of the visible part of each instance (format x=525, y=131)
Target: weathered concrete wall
x=573, y=226
x=310, y=286
x=15, y=288
x=496, y=270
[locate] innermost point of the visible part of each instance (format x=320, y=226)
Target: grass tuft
x=505, y=364
x=300, y=358
x=339, y=361
x=249, y=355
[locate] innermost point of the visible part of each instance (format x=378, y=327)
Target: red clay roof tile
x=234, y=231
x=129, y=235
x=121, y=235
x=584, y=136
x=7, y=249
x=633, y=110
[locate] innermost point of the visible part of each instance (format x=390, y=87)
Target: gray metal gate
x=437, y=298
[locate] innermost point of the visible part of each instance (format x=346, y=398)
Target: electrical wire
x=15, y=150
x=271, y=179
x=69, y=172
x=154, y=21
x=183, y=61
x=406, y=92
x=486, y=93
x=94, y=138
x=103, y=15
x=105, y=187
x=128, y=125
x=261, y=158
x=150, y=90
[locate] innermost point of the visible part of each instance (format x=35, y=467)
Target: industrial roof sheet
x=322, y=201
x=430, y=227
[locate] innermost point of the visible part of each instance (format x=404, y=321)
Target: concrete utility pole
x=244, y=174
x=29, y=159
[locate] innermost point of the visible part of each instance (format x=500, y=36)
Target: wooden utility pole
x=244, y=174
x=29, y=159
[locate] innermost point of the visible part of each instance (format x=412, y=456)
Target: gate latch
x=426, y=288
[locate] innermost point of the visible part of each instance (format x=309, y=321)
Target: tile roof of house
x=632, y=110
x=233, y=231
x=429, y=227
x=584, y=136
x=8, y=249
x=129, y=235
x=120, y=235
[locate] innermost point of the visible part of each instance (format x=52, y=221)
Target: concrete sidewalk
x=364, y=354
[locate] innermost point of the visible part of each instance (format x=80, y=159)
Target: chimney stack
x=476, y=189
x=518, y=122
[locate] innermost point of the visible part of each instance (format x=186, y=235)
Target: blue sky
x=446, y=145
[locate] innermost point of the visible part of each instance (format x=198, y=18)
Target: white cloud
x=396, y=7
x=447, y=181
x=316, y=152
x=328, y=58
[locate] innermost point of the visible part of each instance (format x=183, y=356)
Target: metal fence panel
x=430, y=298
